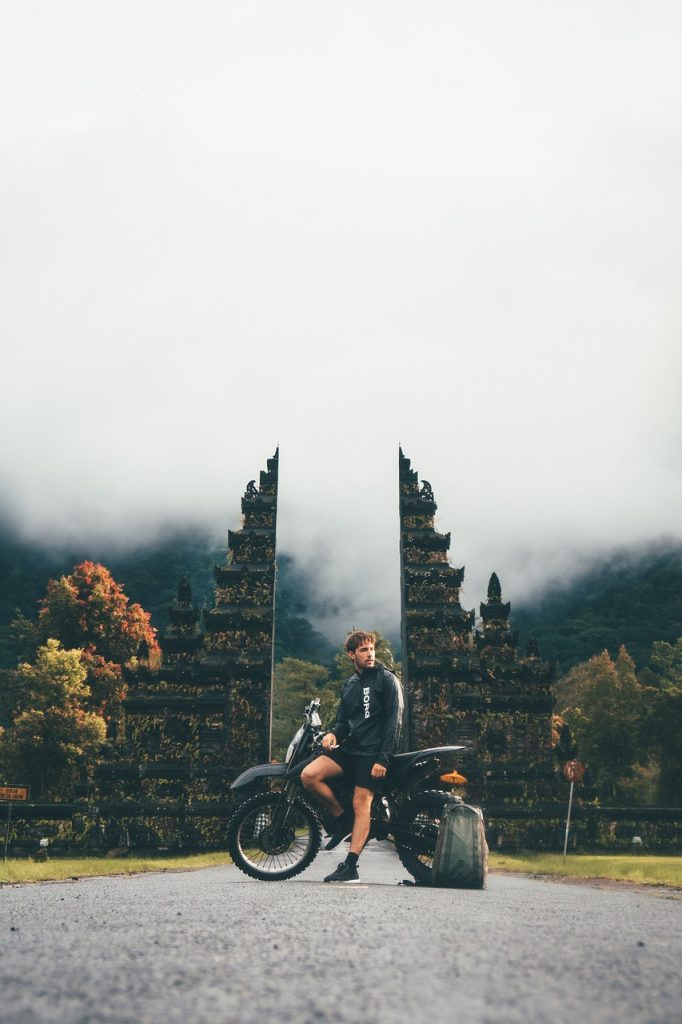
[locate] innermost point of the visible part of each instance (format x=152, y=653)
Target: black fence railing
x=145, y=824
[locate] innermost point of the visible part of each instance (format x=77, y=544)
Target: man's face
x=363, y=657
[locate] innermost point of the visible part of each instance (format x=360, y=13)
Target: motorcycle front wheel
x=421, y=817
x=265, y=846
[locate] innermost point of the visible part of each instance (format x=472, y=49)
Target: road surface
x=215, y=946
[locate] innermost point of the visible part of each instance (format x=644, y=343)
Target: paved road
x=214, y=946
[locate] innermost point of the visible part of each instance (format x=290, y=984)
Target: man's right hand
x=329, y=741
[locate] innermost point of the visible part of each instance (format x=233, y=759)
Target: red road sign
x=14, y=793
x=574, y=771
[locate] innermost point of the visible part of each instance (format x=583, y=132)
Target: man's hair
x=357, y=638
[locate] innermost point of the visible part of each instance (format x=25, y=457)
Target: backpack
x=460, y=860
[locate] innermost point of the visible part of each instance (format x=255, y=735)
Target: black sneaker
x=344, y=873
x=341, y=829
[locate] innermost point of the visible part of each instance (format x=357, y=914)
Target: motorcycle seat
x=414, y=755
x=400, y=764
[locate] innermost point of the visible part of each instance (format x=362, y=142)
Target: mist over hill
x=150, y=576
x=630, y=595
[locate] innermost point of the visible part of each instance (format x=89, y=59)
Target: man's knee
x=362, y=800
x=314, y=773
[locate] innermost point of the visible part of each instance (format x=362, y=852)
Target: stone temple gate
x=191, y=725
x=463, y=683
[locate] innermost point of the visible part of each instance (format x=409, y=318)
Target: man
x=357, y=746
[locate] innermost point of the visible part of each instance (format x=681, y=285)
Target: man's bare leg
x=362, y=806
x=313, y=778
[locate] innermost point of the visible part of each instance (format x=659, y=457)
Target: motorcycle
x=276, y=834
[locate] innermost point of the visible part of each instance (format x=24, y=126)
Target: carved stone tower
x=436, y=631
x=465, y=685
x=512, y=718
x=238, y=647
x=193, y=724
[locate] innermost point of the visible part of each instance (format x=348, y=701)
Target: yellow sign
x=14, y=792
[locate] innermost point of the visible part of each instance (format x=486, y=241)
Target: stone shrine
x=468, y=683
x=192, y=725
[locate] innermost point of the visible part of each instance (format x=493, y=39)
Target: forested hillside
x=622, y=708
x=631, y=597
x=150, y=577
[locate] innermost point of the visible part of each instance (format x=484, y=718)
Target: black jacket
x=370, y=713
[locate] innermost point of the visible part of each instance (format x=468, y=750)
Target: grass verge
x=23, y=870
x=644, y=869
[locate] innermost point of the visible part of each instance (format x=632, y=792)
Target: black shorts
x=357, y=768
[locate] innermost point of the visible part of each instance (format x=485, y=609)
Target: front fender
x=259, y=771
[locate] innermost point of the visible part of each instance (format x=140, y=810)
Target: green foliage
x=55, y=705
x=663, y=728
x=643, y=869
x=56, y=679
x=295, y=637
x=296, y=683
x=630, y=597
x=150, y=575
x=89, y=609
x=628, y=725
x=52, y=735
x=22, y=870
x=603, y=703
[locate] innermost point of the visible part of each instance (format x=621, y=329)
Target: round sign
x=574, y=771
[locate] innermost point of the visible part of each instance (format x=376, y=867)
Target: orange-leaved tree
x=88, y=609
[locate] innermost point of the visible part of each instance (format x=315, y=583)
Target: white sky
x=334, y=226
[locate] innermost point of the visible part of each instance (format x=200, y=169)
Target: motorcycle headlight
x=292, y=746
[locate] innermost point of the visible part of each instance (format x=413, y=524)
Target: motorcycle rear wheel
x=262, y=849
x=421, y=815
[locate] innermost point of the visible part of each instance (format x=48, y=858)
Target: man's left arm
x=393, y=716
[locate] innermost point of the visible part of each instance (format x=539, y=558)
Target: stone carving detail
x=184, y=592
x=494, y=589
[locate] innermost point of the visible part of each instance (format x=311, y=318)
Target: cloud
x=338, y=228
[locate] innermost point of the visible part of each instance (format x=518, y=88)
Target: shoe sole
x=333, y=843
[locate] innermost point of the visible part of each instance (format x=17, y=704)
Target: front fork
x=283, y=809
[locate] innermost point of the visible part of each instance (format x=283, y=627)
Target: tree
x=563, y=743
x=663, y=728
x=296, y=683
x=52, y=734
x=602, y=702
x=88, y=609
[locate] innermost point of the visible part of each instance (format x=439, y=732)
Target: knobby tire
x=422, y=813
x=243, y=838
